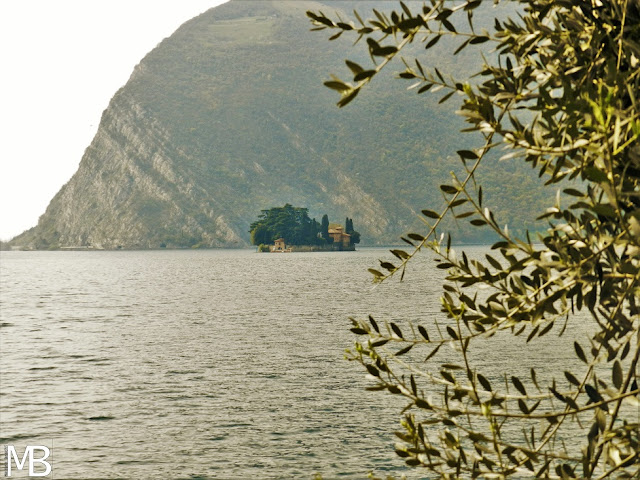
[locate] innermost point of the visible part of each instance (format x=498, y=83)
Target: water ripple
x=199, y=364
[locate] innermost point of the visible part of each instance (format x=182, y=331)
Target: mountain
x=229, y=116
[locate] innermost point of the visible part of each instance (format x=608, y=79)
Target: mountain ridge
x=228, y=116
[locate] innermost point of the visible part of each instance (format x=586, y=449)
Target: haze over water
x=206, y=363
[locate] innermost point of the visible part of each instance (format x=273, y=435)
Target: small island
x=289, y=229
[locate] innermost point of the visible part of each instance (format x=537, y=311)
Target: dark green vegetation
x=288, y=222
x=348, y=229
x=229, y=114
x=561, y=98
x=295, y=227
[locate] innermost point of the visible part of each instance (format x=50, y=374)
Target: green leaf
x=494, y=263
x=546, y=329
x=573, y=192
x=462, y=46
x=534, y=378
x=354, y=67
x=605, y=209
x=396, y=330
x=484, y=382
x=467, y=154
x=452, y=366
x=452, y=333
x=339, y=86
x=472, y=5
x=444, y=14
x=407, y=75
x=449, y=26
x=423, y=332
x=580, y=352
x=364, y=75
x=348, y=98
x=448, y=189
x=344, y=26
x=372, y=370
x=321, y=19
x=374, y=324
x=384, y=51
x=458, y=202
x=404, y=350
x=518, y=384
x=402, y=453
x=595, y=175
x=592, y=392
x=433, y=352
x=523, y=406
x=571, y=402
x=375, y=272
x=479, y=40
x=571, y=378
x=447, y=376
x=388, y=266
x=414, y=387
x=446, y=97
x=432, y=42
x=429, y=214
x=357, y=15
x=617, y=374
x=558, y=395
x=444, y=265
x=401, y=254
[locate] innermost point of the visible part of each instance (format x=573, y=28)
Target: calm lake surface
x=205, y=364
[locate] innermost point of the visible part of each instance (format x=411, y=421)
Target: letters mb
x=13, y=457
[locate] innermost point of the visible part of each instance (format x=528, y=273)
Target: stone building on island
x=339, y=237
x=280, y=246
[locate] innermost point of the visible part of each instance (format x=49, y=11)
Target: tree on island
x=295, y=227
x=560, y=93
x=324, y=229
x=348, y=228
x=288, y=222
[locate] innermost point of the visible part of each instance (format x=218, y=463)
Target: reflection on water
x=205, y=364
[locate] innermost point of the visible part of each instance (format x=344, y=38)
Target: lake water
x=204, y=364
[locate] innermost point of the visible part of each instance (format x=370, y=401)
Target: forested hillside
x=229, y=116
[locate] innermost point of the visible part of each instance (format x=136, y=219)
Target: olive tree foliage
x=561, y=94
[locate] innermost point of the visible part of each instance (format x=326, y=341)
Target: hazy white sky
x=61, y=62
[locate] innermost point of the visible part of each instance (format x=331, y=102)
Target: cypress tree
x=324, y=228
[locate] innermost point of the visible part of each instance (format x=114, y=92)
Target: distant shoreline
x=313, y=248
x=298, y=249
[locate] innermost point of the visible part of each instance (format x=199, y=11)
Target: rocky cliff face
x=227, y=117
x=127, y=192
x=130, y=192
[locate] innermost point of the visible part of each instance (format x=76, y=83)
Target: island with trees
x=290, y=229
